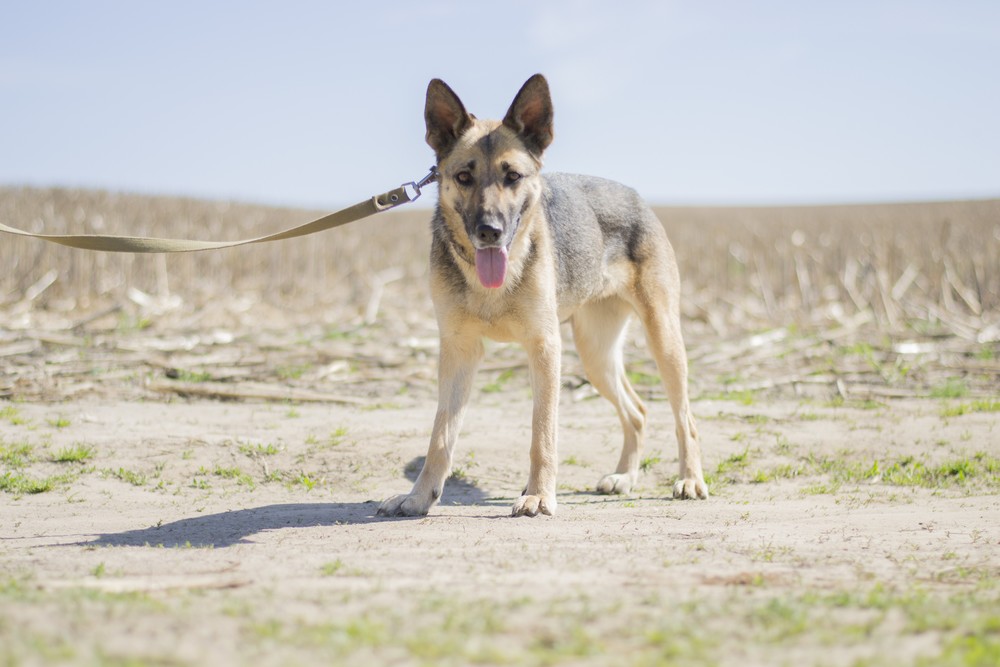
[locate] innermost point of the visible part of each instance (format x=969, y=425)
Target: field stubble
x=858, y=301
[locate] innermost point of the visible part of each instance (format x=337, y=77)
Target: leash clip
x=431, y=176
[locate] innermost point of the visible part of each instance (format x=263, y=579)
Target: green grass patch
x=16, y=454
x=133, y=323
x=241, y=477
x=641, y=379
x=647, y=463
x=10, y=414
x=132, y=477
x=293, y=372
x=980, y=468
x=330, y=569
x=783, y=471
x=306, y=482
x=858, y=350
x=333, y=568
x=986, y=353
x=968, y=650
x=978, y=471
x=744, y=397
x=343, y=334
x=782, y=445
x=865, y=404
x=193, y=376
x=952, y=388
x=956, y=472
x=337, y=436
x=498, y=384
x=20, y=484
x=733, y=463
x=258, y=449
x=75, y=454
x=984, y=405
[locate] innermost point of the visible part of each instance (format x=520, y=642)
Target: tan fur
x=528, y=307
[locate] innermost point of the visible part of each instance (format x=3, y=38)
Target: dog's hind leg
x=460, y=356
x=599, y=330
x=659, y=311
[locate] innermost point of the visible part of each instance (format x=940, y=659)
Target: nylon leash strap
x=405, y=193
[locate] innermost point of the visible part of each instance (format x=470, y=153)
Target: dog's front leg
x=460, y=356
x=544, y=357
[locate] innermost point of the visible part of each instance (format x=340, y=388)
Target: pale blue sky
x=321, y=103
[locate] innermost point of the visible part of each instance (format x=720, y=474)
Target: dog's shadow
x=458, y=489
x=226, y=529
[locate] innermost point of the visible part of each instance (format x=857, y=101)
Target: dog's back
x=598, y=225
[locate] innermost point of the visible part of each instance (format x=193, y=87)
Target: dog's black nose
x=488, y=233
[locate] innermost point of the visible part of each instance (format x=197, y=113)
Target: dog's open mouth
x=491, y=266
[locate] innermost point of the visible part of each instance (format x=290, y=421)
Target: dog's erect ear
x=445, y=116
x=530, y=114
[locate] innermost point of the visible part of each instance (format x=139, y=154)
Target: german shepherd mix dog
x=514, y=254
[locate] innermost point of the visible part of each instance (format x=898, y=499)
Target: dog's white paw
x=690, y=488
x=534, y=505
x=618, y=482
x=406, y=504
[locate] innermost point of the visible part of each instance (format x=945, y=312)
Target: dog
x=514, y=254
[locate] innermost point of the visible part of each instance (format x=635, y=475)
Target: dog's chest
x=513, y=316
x=495, y=317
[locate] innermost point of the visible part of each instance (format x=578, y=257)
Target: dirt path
x=227, y=533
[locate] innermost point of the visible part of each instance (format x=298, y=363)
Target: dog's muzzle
x=488, y=234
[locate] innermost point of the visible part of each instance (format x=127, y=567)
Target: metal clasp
x=431, y=176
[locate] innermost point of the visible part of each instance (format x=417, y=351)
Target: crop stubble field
x=192, y=449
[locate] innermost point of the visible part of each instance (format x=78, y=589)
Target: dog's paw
x=690, y=488
x=534, y=505
x=406, y=504
x=615, y=483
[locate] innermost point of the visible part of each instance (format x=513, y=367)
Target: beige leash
x=376, y=204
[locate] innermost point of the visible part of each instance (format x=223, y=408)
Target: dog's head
x=489, y=170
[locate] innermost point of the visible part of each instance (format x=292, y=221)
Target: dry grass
x=744, y=268
x=333, y=267
x=850, y=302
x=937, y=263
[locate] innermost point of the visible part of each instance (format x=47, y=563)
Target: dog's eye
x=463, y=178
x=513, y=177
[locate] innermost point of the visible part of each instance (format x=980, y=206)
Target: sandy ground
x=208, y=532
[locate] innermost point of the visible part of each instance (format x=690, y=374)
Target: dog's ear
x=445, y=116
x=530, y=114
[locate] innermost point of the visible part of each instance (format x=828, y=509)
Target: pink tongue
x=491, y=265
